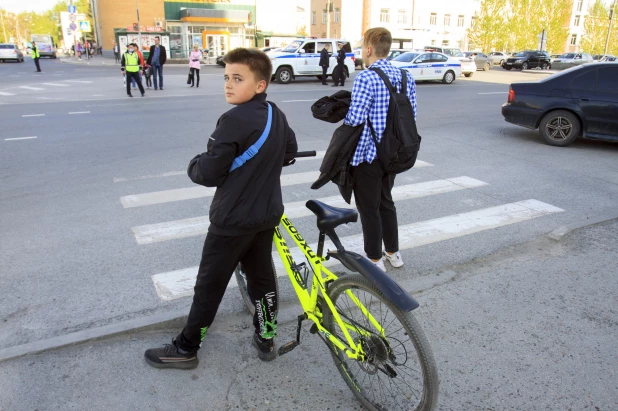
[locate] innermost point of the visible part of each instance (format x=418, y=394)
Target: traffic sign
x=84, y=26
x=73, y=26
x=69, y=32
x=72, y=9
x=72, y=17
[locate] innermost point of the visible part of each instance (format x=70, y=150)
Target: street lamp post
x=139, y=29
x=609, y=29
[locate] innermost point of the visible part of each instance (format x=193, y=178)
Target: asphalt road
x=81, y=208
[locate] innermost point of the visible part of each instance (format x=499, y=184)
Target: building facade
x=215, y=25
x=413, y=23
x=576, y=25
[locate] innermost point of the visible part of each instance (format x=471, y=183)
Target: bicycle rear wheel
x=241, y=280
x=399, y=371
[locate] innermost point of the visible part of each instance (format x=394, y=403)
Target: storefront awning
x=215, y=16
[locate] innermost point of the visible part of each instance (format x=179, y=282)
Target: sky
x=15, y=6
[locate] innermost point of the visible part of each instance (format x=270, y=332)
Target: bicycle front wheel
x=241, y=280
x=399, y=371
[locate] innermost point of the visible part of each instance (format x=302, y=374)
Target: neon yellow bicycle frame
x=309, y=300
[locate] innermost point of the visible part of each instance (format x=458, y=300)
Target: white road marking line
x=296, y=101
x=4, y=93
x=32, y=115
x=190, y=193
x=19, y=138
x=179, y=283
x=31, y=88
x=190, y=227
x=79, y=112
x=56, y=84
x=497, y=92
x=98, y=95
x=79, y=81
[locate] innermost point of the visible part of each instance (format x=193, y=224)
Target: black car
x=579, y=101
x=219, y=61
x=525, y=60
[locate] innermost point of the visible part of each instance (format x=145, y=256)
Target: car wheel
x=501, y=62
x=468, y=74
x=449, y=77
x=487, y=67
x=560, y=128
x=524, y=66
x=284, y=75
x=544, y=66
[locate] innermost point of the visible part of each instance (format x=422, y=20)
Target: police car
x=302, y=58
x=425, y=66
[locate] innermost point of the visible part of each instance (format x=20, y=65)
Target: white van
x=302, y=58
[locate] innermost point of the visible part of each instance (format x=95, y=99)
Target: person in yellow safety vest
x=130, y=67
x=36, y=56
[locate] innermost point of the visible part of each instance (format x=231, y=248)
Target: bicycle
x=346, y=311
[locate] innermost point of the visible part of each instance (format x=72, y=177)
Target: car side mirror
x=301, y=51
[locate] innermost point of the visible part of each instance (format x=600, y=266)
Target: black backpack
x=400, y=142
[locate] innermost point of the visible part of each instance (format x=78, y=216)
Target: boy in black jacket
x=245, y=210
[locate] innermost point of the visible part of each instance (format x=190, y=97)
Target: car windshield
x=406, y=57
x=453, y=52
x=521, y=54
x=292, y=47
x=7, y=46
x=568, y=56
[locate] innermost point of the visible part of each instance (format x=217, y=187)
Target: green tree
x=595, y=27
x=554, y=17
x=302, y=31
x=488, y=28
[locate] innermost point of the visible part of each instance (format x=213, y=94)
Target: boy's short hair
x=380, y=39
x=257, y=61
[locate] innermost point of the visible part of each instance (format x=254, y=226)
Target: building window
x=337, y=15
x=433, y=19
x=447, y=20
x=580, y=5
x=385, y=16
x=433, y=42
x=324, y=16
x=313, y=13
x=576, y=22
x=401, y=16
x=573, y=39
x=444, y=43
x=460, y=21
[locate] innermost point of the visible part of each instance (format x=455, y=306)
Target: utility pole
x=3, y=30
x=609, y=29
x=139, y=28
x=328, y=5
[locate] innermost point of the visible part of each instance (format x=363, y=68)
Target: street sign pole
x=139, y=28
x=609, y=29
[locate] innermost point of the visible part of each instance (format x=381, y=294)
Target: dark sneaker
x=265, y=348
x=171, y=356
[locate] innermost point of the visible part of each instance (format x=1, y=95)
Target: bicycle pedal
x=287, y=347
x=313, y=329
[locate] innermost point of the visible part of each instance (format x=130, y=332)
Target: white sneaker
x=395, y=259
x=379, y=264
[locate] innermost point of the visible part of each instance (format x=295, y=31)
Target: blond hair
x=380, y=39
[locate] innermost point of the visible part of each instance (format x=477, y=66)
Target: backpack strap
x=253, y=150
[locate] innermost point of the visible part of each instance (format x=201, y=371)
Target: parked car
x=554, y=57
x=219, y=61
x=302, y=58
x=10, y=52
x=358, y=58
x=396, y=52
x=608, y=58
x=600, y=57
x=429, y=66
x=525, y=60
x=574, y=58
x=482, y=60
x=498, y=57
x=579, y=101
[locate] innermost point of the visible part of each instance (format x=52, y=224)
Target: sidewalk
x=533, y=326
x=106, y=61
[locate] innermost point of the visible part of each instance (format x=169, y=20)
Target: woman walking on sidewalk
x=194, y=64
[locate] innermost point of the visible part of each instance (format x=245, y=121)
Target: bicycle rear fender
x=391, y=290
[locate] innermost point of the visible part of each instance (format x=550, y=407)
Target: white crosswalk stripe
x=56, y=84
x=4, y=93
x=180, y=282
x=31, y=88
x=190, y=227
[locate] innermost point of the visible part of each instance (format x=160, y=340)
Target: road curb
x=561, y=232
x=172, y=319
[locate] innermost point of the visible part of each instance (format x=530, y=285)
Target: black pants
x=324, y=70
x=372, y=193
x=195, y=72
x=138, y=80
x=36, y=62
x=117, y=55
x=339, y=77
x=220, y=256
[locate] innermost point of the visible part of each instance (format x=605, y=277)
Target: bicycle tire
x=242, y=286
x=371, y=380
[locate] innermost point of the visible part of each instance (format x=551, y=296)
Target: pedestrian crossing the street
x=180, y=282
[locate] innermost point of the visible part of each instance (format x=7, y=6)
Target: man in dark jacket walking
x=324, y=62
x=339, y=72
x=156, y=60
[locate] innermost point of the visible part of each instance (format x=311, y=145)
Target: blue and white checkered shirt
x=370, y=97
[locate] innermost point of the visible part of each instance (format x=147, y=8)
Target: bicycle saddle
x=330, y=217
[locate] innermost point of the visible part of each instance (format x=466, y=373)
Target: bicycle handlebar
x=305, y=154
